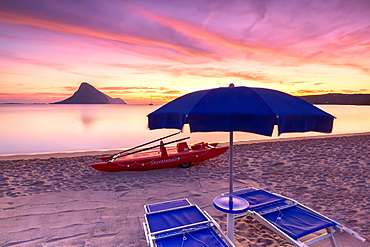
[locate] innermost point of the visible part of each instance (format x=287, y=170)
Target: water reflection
x=53, y=128
x=88, y=116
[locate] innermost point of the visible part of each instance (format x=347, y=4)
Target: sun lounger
x=180, y=223
x=291, y=220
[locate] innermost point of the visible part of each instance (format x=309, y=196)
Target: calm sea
x=26, y=129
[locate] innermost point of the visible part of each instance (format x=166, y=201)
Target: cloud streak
x=40, y=20
x=276, y=43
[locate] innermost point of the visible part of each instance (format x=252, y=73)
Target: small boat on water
x=140, y=160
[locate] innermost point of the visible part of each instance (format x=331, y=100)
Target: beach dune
x=63, y=202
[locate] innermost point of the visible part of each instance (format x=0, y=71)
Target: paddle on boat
x=182, y=155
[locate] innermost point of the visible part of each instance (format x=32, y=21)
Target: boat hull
x=158, y=161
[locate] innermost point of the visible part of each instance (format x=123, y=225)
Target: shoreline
x=67, y=154
x=63, y=202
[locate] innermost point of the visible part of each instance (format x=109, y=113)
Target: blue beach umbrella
x=246, y=109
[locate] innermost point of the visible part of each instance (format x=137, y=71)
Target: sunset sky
x=166, y=48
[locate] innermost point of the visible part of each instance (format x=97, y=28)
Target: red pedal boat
x=139, y=160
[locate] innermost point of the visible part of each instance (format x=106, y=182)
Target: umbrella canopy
x=254, y=110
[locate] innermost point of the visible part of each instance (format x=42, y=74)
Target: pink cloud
x=187, y=38
x=37, y=62
x=270, y=33
x=263, y=45
x=37, y=19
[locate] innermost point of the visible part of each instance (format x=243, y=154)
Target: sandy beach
x=63, y=202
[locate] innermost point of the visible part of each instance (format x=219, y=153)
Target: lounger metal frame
x=296, y=242
x=209, y=223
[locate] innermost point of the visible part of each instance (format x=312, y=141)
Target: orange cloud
x=315, y=92
x=39, y=97
x=209, y=72
x=124, y=91
x=357, y=37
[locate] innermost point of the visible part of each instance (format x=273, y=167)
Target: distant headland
x=87, y=94
x=338, y=99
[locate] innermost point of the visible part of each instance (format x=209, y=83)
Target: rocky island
x=87, y=94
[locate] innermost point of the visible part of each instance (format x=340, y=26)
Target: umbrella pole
x=231, y=167
x=230, y=217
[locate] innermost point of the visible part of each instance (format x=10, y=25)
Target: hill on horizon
x=87, y=94
x=338, y=99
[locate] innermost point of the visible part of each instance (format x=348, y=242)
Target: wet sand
x=63, y=202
